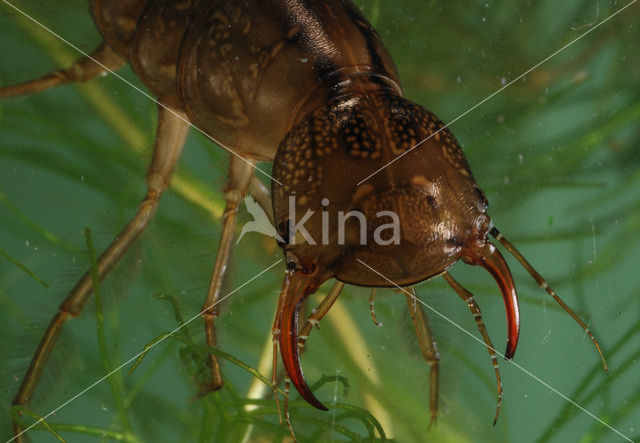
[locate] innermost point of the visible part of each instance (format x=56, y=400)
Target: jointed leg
x=319, y=313
x=240, y=173
x=428, y=348
x=372, y=307
x=170, y=137
x=275, y=333
x=81, y=70
x=287, y=417
x=475, y=310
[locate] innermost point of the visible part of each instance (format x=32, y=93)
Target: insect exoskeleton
x=368, y=188
x=346, y=213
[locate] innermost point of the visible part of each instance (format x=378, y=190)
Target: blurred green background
x=556, y=153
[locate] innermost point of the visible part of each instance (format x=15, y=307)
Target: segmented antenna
x=545, y=285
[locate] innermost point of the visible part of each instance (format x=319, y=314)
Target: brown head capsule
x=408, y=223
x=344, y=217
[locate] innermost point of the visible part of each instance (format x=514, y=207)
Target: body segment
x=244, y=71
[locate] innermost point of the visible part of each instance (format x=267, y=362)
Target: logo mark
x=260, y=222
x=299, y=234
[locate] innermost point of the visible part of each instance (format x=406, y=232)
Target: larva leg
x=429, y=350
x=287, y=417
x=100, y=61
x=275, y=333
x=372, y=307
x=240, y=173
x=319, y=312
x=262, y=195
x=170, y=137
x=475, y=310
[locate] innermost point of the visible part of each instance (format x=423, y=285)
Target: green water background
x=556, y=153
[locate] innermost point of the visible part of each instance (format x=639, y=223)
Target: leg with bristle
x=544, y=285
x=372, y=307
x=319, y=313
x=287, y=417
x=275, y=333
x=262, y=195
x=100, y=61
x=428, y=347
x=170, y=137
x=475, y=310
x=274, y=372
x=240, y=173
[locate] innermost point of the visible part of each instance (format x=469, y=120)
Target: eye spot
x=484, y=203
x=454, y=242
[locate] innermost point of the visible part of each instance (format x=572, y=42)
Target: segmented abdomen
x=244, y=71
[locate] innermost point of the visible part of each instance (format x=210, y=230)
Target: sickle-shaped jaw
x=297, y=286
x=488, y=256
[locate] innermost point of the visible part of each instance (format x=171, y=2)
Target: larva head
x=376, y=192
